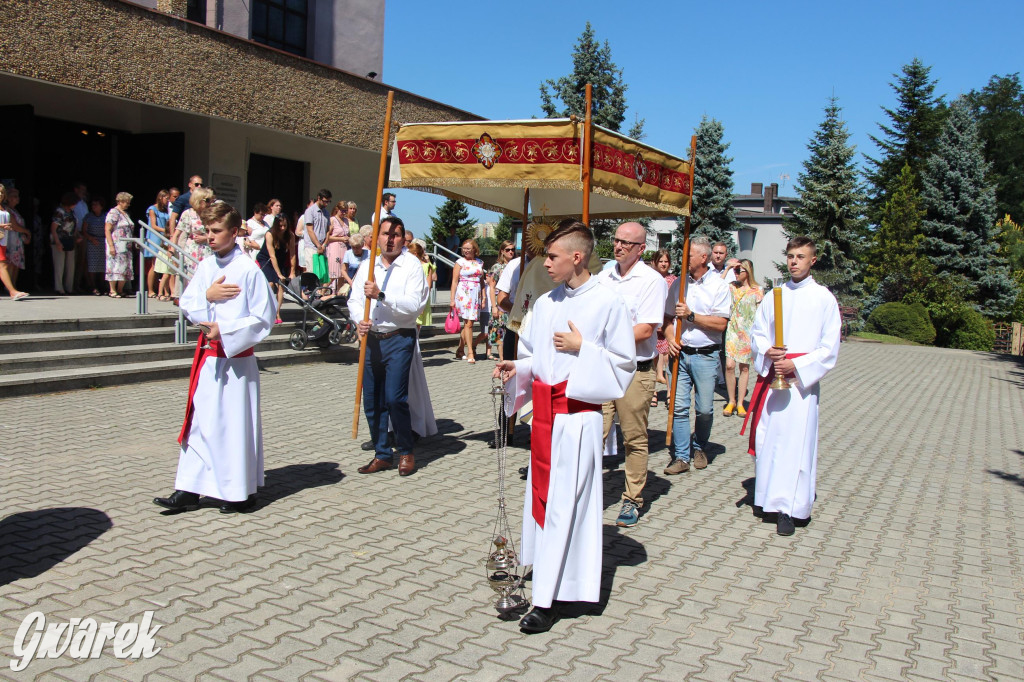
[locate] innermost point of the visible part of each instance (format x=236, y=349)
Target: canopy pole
x=371, y=273
x=588, y=142
x=683, y=274
x=522, y=263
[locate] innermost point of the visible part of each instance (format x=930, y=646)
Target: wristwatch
x=380, y=297
x=689, y=318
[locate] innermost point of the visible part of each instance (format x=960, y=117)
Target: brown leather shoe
x=677, y=466
x=406, y=464
x=700, y=460
x=376, y=464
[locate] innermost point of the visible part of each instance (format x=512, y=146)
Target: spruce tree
x=712, y=214
x=959, y=228
x=895, y=266
x=911, y=136
x=591, y=63
x=831, y=207
x=999, y=109
x=451, y=212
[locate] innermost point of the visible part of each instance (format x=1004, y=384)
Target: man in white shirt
x=505, y=296
x=704, y=316
x=644, y=291
x=387, y=207
x=718, y=265
x=397, y=298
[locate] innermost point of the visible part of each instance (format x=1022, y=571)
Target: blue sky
x=765, y=70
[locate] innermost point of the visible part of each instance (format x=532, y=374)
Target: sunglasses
x=197, y=184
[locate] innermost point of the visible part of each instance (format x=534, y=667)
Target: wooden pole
x=371, y=273
x=683, y=274
x=588, y=143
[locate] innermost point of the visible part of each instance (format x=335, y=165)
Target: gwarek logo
x=82, y=638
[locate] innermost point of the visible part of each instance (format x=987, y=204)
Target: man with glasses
x=644, y=291
x=704, y=316
x=181, y=204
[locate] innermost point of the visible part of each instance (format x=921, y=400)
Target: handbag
x=67, y=242
x=320, y=267
x=451, y=323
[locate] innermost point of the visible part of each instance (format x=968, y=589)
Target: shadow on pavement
x=36, y=541
x=615, y=484
x=1016, y=373
x=441, y=444
x=1006, y=476
x=294, y=478
x=619, y=550
x=748, y=499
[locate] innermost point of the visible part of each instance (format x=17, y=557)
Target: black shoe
x=784, y=526
x=538, y=620
x=368, y=445
x=179, y=501
x=237, y=507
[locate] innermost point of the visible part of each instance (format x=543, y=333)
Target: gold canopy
x=489, y=163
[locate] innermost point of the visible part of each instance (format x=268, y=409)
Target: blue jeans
x=697, y=373
x=386, y=391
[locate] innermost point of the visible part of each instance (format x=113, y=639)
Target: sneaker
x=700, y=460
x=784, y=526
x=677, y=466
x=629, y=515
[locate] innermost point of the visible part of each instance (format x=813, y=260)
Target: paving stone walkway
x=910, y=569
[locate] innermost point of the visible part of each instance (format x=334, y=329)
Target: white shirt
x=509, y=280
x=644, y=291
x=405, y=293
x=730, y=274
x=708, y=295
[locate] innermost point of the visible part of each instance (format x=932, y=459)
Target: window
x=281, y=24
x=195, y=10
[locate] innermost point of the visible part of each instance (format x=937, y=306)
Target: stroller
x=330, y=324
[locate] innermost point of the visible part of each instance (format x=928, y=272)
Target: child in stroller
x=325, y=319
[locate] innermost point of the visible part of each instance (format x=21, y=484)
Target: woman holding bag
x=119, y=259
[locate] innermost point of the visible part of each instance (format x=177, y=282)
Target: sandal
x=727, y=410
x=113, y=295
x=96, y=292
x=471, y=361
x=654, y=400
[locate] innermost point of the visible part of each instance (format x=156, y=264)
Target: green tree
x=1011, y=247
x=591, y=63
x=831, y=207
x=503, y=230
x=895, y=267
x=959, y=228
x=999, y=110
x=451, y=212
x=910, y=137
x=712, y=211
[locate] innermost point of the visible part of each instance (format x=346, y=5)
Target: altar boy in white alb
x=576, y=353
x=222, y=437
x=784, y=423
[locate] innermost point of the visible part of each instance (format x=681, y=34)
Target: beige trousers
x=633, y=409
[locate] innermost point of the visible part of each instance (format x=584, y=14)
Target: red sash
x=757, y=401
x=215, y=350
x=547, y=402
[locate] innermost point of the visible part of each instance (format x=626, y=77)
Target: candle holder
x=780, y=383
x=502, y=563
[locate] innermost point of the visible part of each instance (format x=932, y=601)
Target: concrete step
x=15, y=363
x=91, y=339
x=21, y=327
x=73, y=378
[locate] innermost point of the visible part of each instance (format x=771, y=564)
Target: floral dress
x=119, y=265
x=467, y=294
x=335, y=251
x=15, y=242
x=737, y=332
x=190, y=225
x=497, y=331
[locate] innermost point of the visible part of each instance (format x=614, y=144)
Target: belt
x=388, y=335
x=548, y=401
x=645, y=365
x=204, y=349
x=703, y=350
